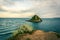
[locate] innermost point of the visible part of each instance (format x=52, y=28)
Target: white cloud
x=15, y=5
x=46, y=8
x=16, y=15
x=48, y=15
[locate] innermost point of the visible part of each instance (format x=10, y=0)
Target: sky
x=28, y=8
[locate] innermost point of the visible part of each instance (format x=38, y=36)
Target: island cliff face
x=35, y=18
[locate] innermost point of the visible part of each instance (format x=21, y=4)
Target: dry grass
x=37, y=35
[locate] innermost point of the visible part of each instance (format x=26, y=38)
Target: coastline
x=37, y=35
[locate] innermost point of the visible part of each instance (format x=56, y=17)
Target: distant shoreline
x=41, y=18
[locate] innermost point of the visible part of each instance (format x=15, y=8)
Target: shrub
x=22, y=30
x=25, y=29
x=58, y=35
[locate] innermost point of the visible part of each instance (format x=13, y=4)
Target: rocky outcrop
x=35, y=18
x=38, y=35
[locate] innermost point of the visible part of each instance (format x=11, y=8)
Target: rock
x=38, y=35
x=35, y=18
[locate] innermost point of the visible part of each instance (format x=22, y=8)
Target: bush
x=22, y=30
x=25, y=29
x=58, y=35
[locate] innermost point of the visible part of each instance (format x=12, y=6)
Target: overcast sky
x=28, y=8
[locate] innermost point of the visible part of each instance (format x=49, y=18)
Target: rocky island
x=35, y=18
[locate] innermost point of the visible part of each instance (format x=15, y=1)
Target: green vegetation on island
x=35, y=18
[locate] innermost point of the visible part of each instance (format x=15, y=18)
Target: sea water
x=9, y=25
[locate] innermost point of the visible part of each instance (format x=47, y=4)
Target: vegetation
x=26, y=32
x=58, y=35
x=35, y=18
x=25, y=29
x=22, y=30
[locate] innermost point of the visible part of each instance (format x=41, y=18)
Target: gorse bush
x=23, y=29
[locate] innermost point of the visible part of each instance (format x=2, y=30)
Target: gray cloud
x=1, y=10
x=40, y=7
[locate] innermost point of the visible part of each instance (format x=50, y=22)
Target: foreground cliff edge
x=35, y=18
x=37, y=35
x=27, y=33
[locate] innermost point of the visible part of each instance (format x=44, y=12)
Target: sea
x=9, y=25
